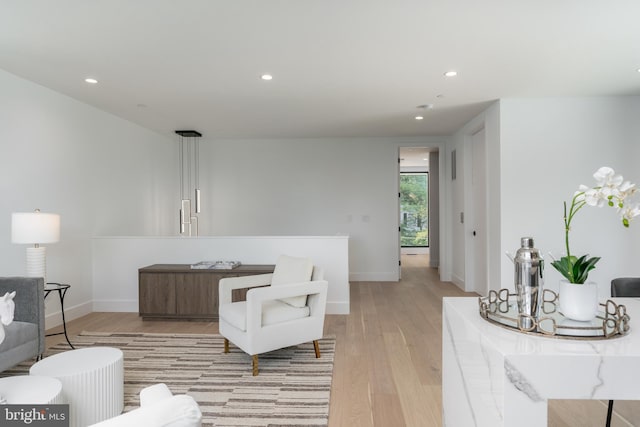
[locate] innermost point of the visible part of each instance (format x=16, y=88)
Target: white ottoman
x=92, y=382
x=28, y=390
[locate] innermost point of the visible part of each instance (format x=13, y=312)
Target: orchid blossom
x=610, y=190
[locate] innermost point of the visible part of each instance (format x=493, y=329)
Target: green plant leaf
x=575, y=270
x=565, y=267
x=582, y=268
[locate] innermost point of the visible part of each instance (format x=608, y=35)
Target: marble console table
x=493, y=377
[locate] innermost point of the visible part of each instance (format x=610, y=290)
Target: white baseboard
x=55, y=319
x=458, y=281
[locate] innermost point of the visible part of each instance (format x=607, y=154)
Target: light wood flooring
x=388, y=355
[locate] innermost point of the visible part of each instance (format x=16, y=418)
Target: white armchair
x=282, y=309
x=159, y=408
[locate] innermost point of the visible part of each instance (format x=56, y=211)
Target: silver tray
x=501, y=308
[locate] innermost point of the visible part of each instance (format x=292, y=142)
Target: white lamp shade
x=35, y=227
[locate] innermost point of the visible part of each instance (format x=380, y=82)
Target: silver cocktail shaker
x=528, y=280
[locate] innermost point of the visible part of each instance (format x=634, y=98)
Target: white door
x=479, y=213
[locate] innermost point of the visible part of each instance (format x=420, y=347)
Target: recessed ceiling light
x=266, y=77
x=451, y=73
x=419, y=117
x=91, y=80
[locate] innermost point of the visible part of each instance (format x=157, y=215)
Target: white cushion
x=273, y=311
x=175, y=411
x=291, y=270
x=154, y=393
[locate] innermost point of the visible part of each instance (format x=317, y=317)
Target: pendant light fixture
x=189, y=181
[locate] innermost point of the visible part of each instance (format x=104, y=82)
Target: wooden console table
x=176, y=291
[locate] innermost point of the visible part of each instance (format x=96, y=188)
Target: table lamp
x=35, y=228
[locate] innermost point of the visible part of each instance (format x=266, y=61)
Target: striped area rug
x=292, y=389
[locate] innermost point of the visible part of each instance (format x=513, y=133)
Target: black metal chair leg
x=609, y=413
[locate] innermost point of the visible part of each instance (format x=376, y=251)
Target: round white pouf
x=92, y=382
x=28, y=390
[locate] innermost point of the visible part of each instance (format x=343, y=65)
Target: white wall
x=458, y=254
x=538, y=152
x=632, y=155
x=548, y=148
x=100, y=173
x=453, y=262
x=309, y=187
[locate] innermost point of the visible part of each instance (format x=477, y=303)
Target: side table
x=62, y=289
x=92, y=382
x=27, y=389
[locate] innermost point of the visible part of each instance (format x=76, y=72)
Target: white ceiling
x=340, y=67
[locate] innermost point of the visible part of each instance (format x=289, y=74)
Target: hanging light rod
x=189, y=133
x=189, y=168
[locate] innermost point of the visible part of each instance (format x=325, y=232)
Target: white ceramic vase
x=579, y=301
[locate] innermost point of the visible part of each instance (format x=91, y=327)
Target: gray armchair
x=25, y=337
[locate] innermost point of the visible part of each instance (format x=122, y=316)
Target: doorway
x=418, y=206
x=414, y=210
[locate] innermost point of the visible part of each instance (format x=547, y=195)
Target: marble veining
x=520, y=382
x=494, y=391
x=598, y=373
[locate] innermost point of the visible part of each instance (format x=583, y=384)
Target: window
x=414, y=209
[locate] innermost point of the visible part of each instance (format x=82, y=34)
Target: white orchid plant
x=610, y=190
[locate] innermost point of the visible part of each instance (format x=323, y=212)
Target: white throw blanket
x=7, y=307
